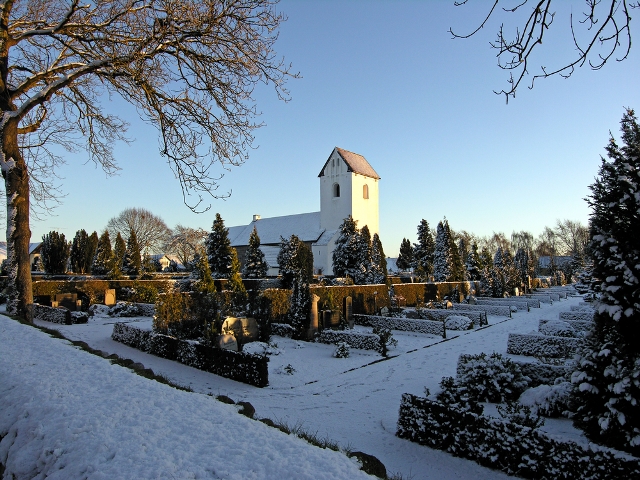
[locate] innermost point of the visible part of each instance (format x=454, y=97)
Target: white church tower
x=348, y=186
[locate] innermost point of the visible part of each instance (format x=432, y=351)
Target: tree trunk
x=16, y=180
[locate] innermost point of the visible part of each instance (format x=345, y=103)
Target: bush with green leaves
x=457, y=396
x=386, y=339
x=491, y=378
x=514, y=412
x=549, y=400
x=342, y=350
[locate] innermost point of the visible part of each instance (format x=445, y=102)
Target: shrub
x=386, y=339
x=457, y=396
x=458, y=322
x=491, y=378
x=144, y=292
x=514, y=412
x=342, y=351
x=557, y=328
x=549, y=400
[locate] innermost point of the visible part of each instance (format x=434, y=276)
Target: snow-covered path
x=356, y=408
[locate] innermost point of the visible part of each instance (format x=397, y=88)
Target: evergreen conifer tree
x=497, y=273
x=55, y=253
x=132, y=261
x=103, y=258
x=442, y=261
x=255, y=265
x=378, y=261
x=302, y=264
x=119, y=250
x=423, y=252
x=405, y=258
x=346, y=257
x=202, y=281
x=363, y=273
x=92, y=246
x=474, y=271
x=521, y=263
x=458, y=270
x=286, y=259
x=607, y=379
x=78, y=252
x=218, y=248
x=486, y=259
x=238, y=291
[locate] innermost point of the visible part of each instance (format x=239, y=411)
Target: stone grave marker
x=110, y=296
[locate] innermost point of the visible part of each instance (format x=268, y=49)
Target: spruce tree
x=218, y=248
x=302, y=265
x=78, y=252
x=473, y=267
x=202, y=281
x=405, y=258
x=132, y=261
x=497, y=273
x=486, y=259
x=119, y=250
x=607, y=379
x=55, y=253
x=346, y=256
x=103, y=258
x=378, y=261
x=423, y=251
x=442, y=261
x=286, y=258
x=521, y=263
x=255, y=265
x=458, y=270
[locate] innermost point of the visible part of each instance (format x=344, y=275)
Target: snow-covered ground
x=353, y=401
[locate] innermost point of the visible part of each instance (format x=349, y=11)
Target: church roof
x=306, y=226
x=355, y=162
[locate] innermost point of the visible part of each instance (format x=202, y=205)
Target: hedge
x=583, y=316
x=416, y=293
x=577, y=325
x=498, y=444
x=363, y=299
x=520, y=305
x=499, y=310
x=478, y=317
x=541, y=345
x=540, y=297
x=428, y=327
x=532, y=302
x=543, y=373
x=555, y=297
x=50, y=314
x=582, y=308
x=242, y=367
x=282, y=330
x=362, y=341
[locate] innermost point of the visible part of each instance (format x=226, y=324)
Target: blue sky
x=385, y=80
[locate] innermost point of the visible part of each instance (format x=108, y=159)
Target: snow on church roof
x=306, y=226
x=356, y=163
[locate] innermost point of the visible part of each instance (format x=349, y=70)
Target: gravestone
x=384, y=311
x=331, y=318
x=249, y=329
x=347, y=311
x=313, y=316
x=110, y=296
x=227, y=342
x=68, y=300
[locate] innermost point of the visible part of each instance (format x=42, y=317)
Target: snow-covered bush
x=128, y=309
x=491, y=378
x=457, y=396
x=556, y=328
x=282, y=330
x=515, y=413
x=548, y=400
x=429, y=327
x=542, y=345
x=363, y=341
x=458, y=322
x=386, y=339
x=342, y=350
x=582, y=316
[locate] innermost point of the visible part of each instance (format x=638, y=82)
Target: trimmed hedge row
x=543, y=373
x=512, y=448
x=438, y=314
x=416, y=293
x=582, y=308
x=554, y=297
x=499, y=310
x=428, y=327
x=541, y=345
x=239, y=366
x=582, y=316
x=362, y=341
x=577, y=325
x=52, y=314
x=532, y=302
x=520, y=305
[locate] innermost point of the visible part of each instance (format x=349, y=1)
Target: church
x=348, y=186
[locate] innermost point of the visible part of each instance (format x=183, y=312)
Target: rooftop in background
x=356, y=163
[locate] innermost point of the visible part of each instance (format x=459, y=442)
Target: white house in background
x=34, y=251
x=349, y=186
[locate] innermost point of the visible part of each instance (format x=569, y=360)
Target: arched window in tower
x=336, y=190
x=365, y=191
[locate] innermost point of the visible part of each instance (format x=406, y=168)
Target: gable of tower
x=355, y=163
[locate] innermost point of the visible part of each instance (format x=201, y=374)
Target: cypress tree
x=55, y=253
x=378, y=261
x=218, y=248
x=103, y=258
x=363, y=272
x=405, y=258
x=286, y=263
x=302, y=265
x=92, y=246
x=132, y=262
x=423, y=251
x=119, y=250
x=201, y=275
x=458, y=270
x=238, y=291
x=607, y=379
x=255, y=265
x=78, y=252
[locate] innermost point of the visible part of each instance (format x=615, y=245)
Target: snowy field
x=353, y=401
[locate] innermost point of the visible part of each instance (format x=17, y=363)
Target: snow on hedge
x=541, y=345
x=67, y=414
x=543, y=298
x=479, y=317
x=584, y=316
x=556, y=328
x=548, y=400
x=498, y=310
x=282, y=330
x=543, y=373
x=362, y=341
x=581, y=308
x=580, y=327
x=531, y=302
x=520, y=305
x=428, y=327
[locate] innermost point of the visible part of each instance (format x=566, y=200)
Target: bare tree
x=151, y=231
x=522, y=239
x=598, y=33
x=189, y=67
x=186, y=242
x=572, y=237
